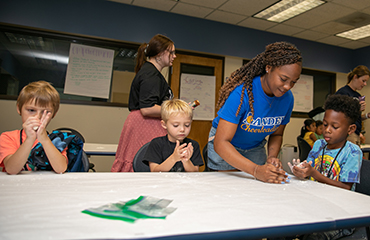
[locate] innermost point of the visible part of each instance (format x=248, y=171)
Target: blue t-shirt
x=269, y=114
x=347, y=166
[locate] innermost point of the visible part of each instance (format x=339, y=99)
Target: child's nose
x=39, y=114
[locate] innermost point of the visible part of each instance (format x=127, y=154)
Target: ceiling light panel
x=286, y=9
x=356, y=33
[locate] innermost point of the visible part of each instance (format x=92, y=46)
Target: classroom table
x=100, y=149
x=366, y=149
x=210, y=205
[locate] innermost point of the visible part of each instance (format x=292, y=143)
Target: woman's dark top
x=148, y=88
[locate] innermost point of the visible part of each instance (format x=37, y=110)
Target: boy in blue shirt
x=334, y=160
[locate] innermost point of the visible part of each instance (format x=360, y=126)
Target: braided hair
x=276, y=55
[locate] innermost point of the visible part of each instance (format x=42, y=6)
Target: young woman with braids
x=148, y=90
x=255, y=102
x=357, y=79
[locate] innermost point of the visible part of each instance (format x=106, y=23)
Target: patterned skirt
x=137, y=130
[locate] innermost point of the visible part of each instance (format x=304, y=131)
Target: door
x=202, y=66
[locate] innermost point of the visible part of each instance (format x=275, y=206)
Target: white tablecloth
x=36, y=205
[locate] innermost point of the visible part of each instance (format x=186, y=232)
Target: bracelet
x=255, y=171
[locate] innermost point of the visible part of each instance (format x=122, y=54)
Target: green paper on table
x=140, y=208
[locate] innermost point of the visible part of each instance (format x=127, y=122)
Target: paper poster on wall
x=202, y=88
x=89, y=71
x=303, y=94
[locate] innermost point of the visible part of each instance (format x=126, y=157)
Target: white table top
x=100, y=149
x=365, y=147
x=45, y=205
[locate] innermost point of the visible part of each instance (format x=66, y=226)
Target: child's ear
x=55, y=113
x=18, y=110
x=163, y=124
x=352, y=128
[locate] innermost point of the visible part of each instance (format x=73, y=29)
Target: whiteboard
x=303, y=94
x=203, y=89
x=89, y=71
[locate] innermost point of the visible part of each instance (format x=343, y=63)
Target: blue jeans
x=215, y=162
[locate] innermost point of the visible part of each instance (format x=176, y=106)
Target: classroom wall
x=113, y=20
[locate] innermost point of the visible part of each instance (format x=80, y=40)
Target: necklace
x=265, y=95
x=270, y=103
x=329, y=171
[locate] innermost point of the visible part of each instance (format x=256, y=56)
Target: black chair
x=78, y=134
x=364, y=188
x=137, y=163
x=205, y=158
x=303, y=147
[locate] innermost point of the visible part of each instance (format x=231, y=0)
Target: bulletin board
x=303, y=94
x=201, y=88
x=89, y=71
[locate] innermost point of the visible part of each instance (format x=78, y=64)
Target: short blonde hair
x=42, y=92
x=175, y=106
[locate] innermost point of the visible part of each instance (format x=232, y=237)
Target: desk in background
x=211, y=205
x=100, y=149
x=366, y=150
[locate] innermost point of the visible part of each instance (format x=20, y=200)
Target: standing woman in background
x=255, y=102
x=357, y=79
x=148, y=90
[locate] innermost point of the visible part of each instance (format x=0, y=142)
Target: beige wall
x=104, y=124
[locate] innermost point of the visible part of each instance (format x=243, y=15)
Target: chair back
x=205, y=158
x=137, y=163
x=364, y=185
x=85, y=159
x=303, y=147
x=73, y=131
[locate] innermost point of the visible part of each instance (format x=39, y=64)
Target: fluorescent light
x=286, y=9
x=356, y=33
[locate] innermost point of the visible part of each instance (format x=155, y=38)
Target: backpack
x=77, y=158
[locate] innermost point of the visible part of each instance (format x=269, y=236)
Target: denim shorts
x=215, y=162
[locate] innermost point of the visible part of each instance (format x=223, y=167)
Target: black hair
x=319, y=123
x=345, y=104
x=306, y=123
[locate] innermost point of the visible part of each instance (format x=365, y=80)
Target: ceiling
x=319, y=24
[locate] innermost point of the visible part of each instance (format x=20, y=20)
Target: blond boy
x=174, y=152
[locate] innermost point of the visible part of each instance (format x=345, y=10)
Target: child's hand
x=180, y=151
x=41, y=130
x=29, y=127
x=295, y=162
x=301, y=170
x=188, y=152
